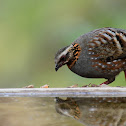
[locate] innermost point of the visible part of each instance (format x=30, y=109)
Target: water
x=94, y=111
x=62, y=111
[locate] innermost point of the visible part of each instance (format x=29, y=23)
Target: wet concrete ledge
x=64, y=92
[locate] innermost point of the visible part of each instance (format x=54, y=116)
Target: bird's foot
x=106, y=83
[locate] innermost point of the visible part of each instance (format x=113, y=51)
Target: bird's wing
x=109, y=44
x=107, y=50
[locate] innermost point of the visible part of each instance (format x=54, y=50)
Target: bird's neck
x=76, y=49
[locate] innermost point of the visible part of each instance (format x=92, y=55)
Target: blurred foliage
x=31, y=32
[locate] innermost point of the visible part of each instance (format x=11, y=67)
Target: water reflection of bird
x=94, y=111
x=97, y=54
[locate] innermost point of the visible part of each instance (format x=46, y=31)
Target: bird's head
x=63, y=56
x=67, y=55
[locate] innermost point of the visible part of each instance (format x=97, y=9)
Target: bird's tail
x=125, y=74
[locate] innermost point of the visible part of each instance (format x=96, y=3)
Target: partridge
x=98, y=54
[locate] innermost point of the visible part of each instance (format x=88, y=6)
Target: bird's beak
x=57, y=67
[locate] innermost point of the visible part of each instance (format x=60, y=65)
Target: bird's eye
x=62, y=58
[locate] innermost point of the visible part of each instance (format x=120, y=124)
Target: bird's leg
x=125, y=74
x=108, y=81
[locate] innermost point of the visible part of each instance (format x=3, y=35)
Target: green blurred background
x=31, y=32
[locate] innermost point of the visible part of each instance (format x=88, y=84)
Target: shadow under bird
x=98, y=54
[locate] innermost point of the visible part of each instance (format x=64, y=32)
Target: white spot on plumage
x=103, y=66
x=90, y=53
x=95, y=38
x=103, y=41
x=114, y=61
x=107, y=36
x=109, y=63
x=110, y=32
x=92, y=58
x=95, y=58
x=93, y=53
x=124, y=62
x=99, y=64
x=90, y=49
x=118, y=46
x=122, y=37
x=98, y=43
x=92, y=44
